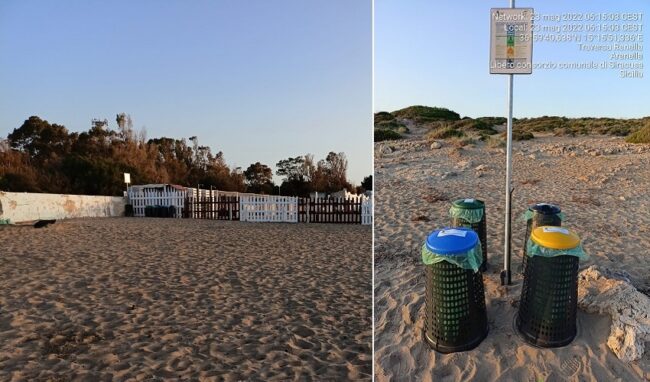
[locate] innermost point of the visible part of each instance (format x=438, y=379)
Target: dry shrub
x=495, y=142
x=461, y=142
x=444, y=133
x=456, y=152
x=640, y=136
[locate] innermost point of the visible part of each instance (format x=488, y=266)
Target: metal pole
x=506, y=273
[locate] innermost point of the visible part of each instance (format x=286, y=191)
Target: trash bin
x=547, y=309
x=456, y=319
x=172, y=211
x=149, y=211
x=128, y=210
x=471, y=213
x=537, y=215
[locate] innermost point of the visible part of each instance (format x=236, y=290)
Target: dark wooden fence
x=321, y=210
x=212, y=207
x=330, y=210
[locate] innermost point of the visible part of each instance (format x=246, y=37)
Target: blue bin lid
x=451, y=241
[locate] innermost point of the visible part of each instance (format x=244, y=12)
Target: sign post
x=511, y=52
x=127, y=180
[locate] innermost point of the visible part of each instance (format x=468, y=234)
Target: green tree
x=293, y=169
x=39, y=138
x=259, y=178
x=296, y=173
x=367, y=183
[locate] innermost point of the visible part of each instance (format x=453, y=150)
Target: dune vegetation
x=442, y=123
x=641, y=135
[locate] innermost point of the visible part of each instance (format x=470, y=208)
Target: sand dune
x=601, y=184
x=174, y=299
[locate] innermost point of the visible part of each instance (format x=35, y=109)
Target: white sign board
x=511, y=40
x=127, y=178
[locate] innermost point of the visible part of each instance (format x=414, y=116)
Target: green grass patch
x=383, y=116
x=426, y=114
x=473, y=124
x=493, y=121
x=561, y=126
x=518, y=135
x=386, y=135
x=391, y=125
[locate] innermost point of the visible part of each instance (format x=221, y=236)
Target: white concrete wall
x=22, y=206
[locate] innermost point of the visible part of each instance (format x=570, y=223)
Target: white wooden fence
x=252, y=207
x=142, y=198
x=366, y=211
x=268, y=208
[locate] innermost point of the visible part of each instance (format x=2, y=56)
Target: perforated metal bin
x=456, y=318
x=548, y=305
x=465, y=213
x=540, y=214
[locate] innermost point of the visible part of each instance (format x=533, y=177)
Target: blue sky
x=258, y=80
x=436, y=53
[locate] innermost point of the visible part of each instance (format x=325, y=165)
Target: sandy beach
x=601, y=183
x=167, y=299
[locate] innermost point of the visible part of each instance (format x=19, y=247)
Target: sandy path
x=204, y=300
x=606, y=201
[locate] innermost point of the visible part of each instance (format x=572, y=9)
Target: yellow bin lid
x=555, y=237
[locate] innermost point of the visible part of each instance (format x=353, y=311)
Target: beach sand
x=144, y=298
x=602, y=185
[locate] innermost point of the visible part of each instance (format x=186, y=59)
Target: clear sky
x=259, y=80
x=436, y=53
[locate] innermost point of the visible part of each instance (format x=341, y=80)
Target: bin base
x=540, y=342
x=454, y=349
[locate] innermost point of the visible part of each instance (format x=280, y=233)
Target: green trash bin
x=537, y=215
x=549, y=295
x=471, y=213
x=128, y=210
x=456, y=318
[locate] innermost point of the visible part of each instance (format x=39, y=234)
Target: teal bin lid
x=468, y=204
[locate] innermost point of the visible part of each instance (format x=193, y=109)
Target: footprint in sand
x=570, y=366
x=447, y=373
x=303, y=344
x=304, y=331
